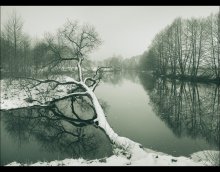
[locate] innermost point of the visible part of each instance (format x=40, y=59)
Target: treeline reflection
x=189, y=109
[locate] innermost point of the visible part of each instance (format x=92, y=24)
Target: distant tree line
x=17, y=53
x=119, y=63
x=187, y=48
x=22, y=56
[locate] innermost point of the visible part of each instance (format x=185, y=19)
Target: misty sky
x=125, y=30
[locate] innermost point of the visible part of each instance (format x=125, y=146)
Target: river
x=177, y=118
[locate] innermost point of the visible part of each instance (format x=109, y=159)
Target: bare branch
x=70, y=39
x=95, y=79
x=50, y=81
x=90, y=79
x=56, y=61
x=95, y=85
x=70, y=95
x=100, y=70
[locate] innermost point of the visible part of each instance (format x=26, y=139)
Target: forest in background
x=186, y=49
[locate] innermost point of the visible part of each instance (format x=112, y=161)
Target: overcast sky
x=125, y=30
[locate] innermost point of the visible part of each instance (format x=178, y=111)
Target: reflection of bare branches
x=56, y=131
x=72, y=43
x=188, y=108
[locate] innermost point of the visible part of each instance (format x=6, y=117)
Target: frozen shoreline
x=150, y=159
x=12, y=97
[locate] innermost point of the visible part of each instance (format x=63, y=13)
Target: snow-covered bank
x=14, y=95
x=209, y=157
x=130, y=152
x=150, y=159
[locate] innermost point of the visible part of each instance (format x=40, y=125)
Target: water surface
x=169, y=116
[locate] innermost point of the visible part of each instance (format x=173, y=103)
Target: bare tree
x=72, y=43
x=15, y=47
x=13, y=29
x=188, y=49
x=218, y=44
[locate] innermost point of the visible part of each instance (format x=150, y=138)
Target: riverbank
x=186, y=78
x=12, y=96
x=150, y=158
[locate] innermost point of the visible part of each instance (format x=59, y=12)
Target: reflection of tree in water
x=113, y=77
x=66, y=126
x=147, y=81
x=117, y=77
x=187, y=108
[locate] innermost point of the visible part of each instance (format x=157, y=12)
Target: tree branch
x=80, y=70
x=99, y=69
x=70, y=95
x=95, y=85
x=91, y=79
x=50, y=81
x=69, y=38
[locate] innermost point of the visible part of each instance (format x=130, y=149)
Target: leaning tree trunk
x=121, y=142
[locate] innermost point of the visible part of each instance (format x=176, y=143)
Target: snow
x=14, y=95
x=150, y=159
x=111, y=161
x=209, y=157
x=127, y=152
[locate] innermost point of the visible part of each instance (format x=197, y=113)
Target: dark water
x=167, y=116
x=174, y=117
x=53, y=133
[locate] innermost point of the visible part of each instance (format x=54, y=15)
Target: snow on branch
x=50, y=81
x=70, y=95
